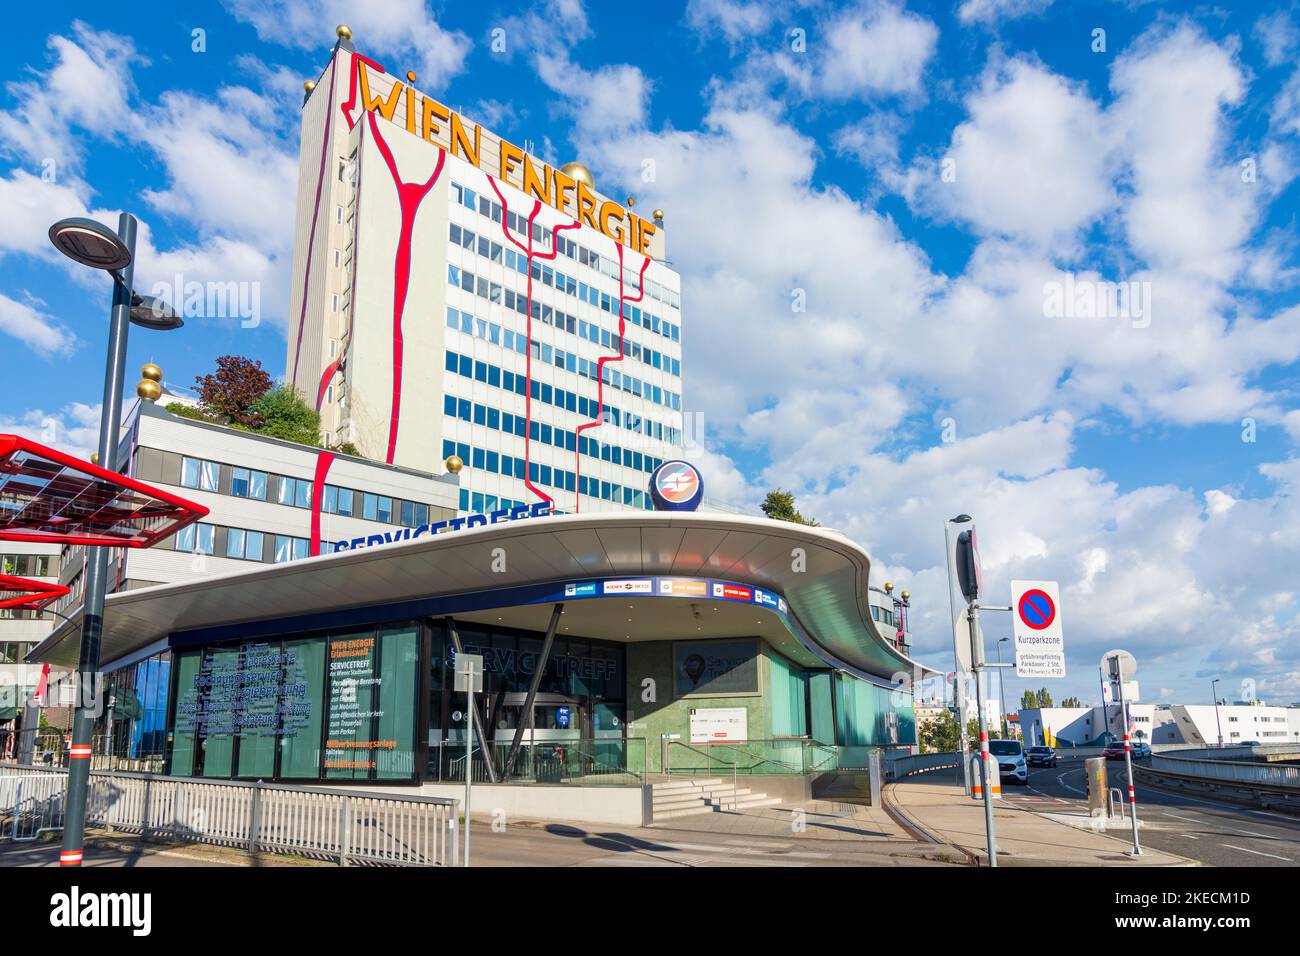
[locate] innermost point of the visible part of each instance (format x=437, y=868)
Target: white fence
x=347, y=826
x=1233, y=772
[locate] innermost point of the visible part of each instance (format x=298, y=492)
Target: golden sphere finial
x=453, y=464
x=151, y=371
x=579, y=173
x=94, y=458
x=308, y=86
x=343, y=31
x=148, y=390
x=889, y=587
x=907, y=595
x=658, y=215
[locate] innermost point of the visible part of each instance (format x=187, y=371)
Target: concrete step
x=745, y=803
x=685, y=784
x=692, y=792
x=677, y=802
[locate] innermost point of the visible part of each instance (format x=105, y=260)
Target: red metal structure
x=48, y=496
x=26, y=594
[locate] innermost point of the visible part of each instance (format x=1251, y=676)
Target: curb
x=916, y=830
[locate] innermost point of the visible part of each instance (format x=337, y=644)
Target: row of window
x=28, y=565
x=489, y=417
x=517, y=224
x=555, y=279
x=481, y=459
x=490, y=332
x=296, y=492
x=515, y=382
x=628, y=383
x=244, y=544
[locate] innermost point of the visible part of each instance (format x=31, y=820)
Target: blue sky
x=918, y=174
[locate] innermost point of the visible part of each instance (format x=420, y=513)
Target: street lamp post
x=1002, y=697
x=95, y=245
x=1218, y=723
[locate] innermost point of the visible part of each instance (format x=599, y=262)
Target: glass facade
x=133, y=723
x=581, y=696
x=336, y=706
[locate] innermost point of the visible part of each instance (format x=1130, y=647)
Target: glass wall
x=581, y=696
x=339, y=706
x=132, y=725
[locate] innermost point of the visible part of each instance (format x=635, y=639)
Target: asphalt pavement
x=1214, y=833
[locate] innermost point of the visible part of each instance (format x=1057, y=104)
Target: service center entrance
x=555, y=717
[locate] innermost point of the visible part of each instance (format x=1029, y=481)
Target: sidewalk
x=939, y=809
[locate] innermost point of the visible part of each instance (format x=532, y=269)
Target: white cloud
x=43, y=333
x=87, y=88
x=1277, y=36
x=73, y=429
x=1031, y=160
x=736, y=20
x=403, y=29
x=878, y=48
x=993, y=11
x=1189, y=209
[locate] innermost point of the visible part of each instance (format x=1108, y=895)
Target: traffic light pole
x=92, y=618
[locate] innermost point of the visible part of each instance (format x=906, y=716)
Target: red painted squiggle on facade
x=315, y=214
x=528, y=353
x=323, y=462
x=325, y=381
x=409, y=197
x=600, y=362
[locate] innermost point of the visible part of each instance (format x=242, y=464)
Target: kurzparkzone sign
x=540, y=509
x=1036, y=623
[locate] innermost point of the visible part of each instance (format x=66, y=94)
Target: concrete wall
x=628, y=806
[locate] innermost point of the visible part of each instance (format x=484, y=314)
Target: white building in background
x=1237, y=723
x=1084, y=726
x=454, y=294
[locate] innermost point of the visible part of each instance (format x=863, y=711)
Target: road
x=1217, y=834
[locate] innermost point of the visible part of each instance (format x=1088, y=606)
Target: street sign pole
x=469, y=678
x=1118, y=674
x=986, y=772
x=469, y=763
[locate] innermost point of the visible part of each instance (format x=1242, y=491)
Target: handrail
x=735, y=781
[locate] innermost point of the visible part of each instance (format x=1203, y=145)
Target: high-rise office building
x=453, y=294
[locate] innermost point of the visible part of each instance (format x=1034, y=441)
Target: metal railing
x=1241, y=773
x=598, y=761
x=343, y=825
x=778, y=756
x=904, y=765
x=710, y=757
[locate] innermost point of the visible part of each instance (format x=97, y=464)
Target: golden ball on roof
x=453, y=464
x=889, y=587
x=343, y=31
x=149, y=390
x=152, y=372
x=907, y=595
x=579, y=173
x=94, y=458
x=658, y=214
x=308, y=86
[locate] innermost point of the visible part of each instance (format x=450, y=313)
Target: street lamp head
x=960, y=519
x=151, y=312
x=90, y=243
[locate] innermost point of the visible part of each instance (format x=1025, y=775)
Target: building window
x=246, y=545
x=288, y=548
x=246, y=483
x=197, y=473
x=195, y=539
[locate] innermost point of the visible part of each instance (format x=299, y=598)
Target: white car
x=1010, y=755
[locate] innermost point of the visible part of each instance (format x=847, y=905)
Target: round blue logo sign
x=676, y=486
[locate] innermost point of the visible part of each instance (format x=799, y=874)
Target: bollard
x=1094, y=771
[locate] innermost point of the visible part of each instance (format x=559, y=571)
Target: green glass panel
x=185, y=722
x=302, y=707
x=399, y=669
